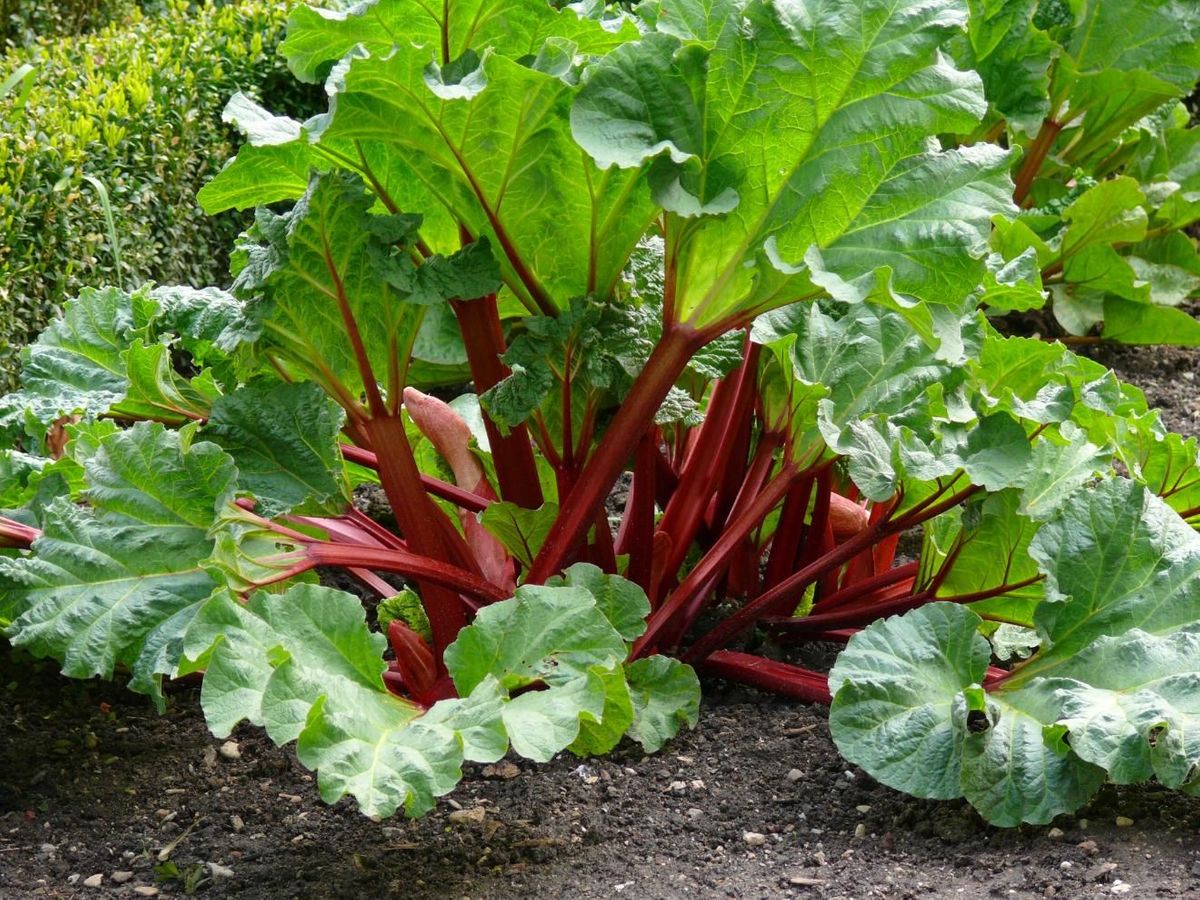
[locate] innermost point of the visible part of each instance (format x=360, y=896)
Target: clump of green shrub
x=137, y=106
x=22, y=21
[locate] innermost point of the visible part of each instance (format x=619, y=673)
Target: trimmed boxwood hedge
x=136, y=105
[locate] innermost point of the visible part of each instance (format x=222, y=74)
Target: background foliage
x=137, y=105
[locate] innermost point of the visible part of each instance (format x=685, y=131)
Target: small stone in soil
x=1100, y=871
x=1089, y=848
x=754, y=838
x=1124, y=821
x=146, y=890
x=503, y=769
x=860, y=830
x=219, y=871
x=473, y=816
x=795, y=775
x=94, y=881
x=694, y=813
x=1055, y=834
x=230, y=750
x=121, y=877
x=236, y=823
x=210, y=758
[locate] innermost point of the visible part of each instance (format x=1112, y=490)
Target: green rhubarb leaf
x=1030, y=378
x=326, y=258
x=318, y=38
x=621, y=601
x=258, y=176
x=666, y=696
x=1063, y=462
x=551, y=634
x=541, y=723
x=209, y=323
x=992, y=537
x=1014, y=285
x=894, y=689
x=829, y=375
x=1016, y=767
x=76, y=367
x=599, y=737
x=117, y=583
x=478, y=720
x=1123, y=59
x=404, y=605
x=849, y=96
x=1169, y=264
x=1130, y=705
x=1131, y=322
x=379, y=757
x=488, y=137
x=1116, y=558
x=521, y=531
x=1108, y=213
x=284, y=440
x=1012, y=56
x=907, y=707
x=1169, y=465
x=157, y=392
x=1172, y=164
x=304, y=665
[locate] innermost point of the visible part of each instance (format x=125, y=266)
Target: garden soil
x=102, y=798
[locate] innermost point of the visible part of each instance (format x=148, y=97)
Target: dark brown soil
x=753, y=803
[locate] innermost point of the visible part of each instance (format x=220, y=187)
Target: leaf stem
x=769, y=675
x=483, y=336
x=1032, y=163
x=450, y=492
x=634, y=417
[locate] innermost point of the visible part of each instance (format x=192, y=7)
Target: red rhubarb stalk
x=769, y=675
x=483, y=336
x=633, y=418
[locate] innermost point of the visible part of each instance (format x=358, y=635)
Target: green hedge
x=22, y=21
x=137, y=106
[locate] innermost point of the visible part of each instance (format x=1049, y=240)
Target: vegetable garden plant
x=741, y=251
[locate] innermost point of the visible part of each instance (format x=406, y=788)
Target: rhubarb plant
x=1091, y=92
x=715, y=252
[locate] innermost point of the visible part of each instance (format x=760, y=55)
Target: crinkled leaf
x=116, y=583
x=1019, y=769
x=847, y=97
x=621, y=601
x=284, y=440
x=521, y=531
x=305, y=666
x=541, y=723
x=1115, y=559
x=322, y=258
x=157, y=392
x=1130, y=705
x=1012, y=56
x=666, y=696
x=1060, y=467
x=489, y=140
x=551, y=634
x=76, y=364
x=992, y=538
x=894, y=688
x=598, y=737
